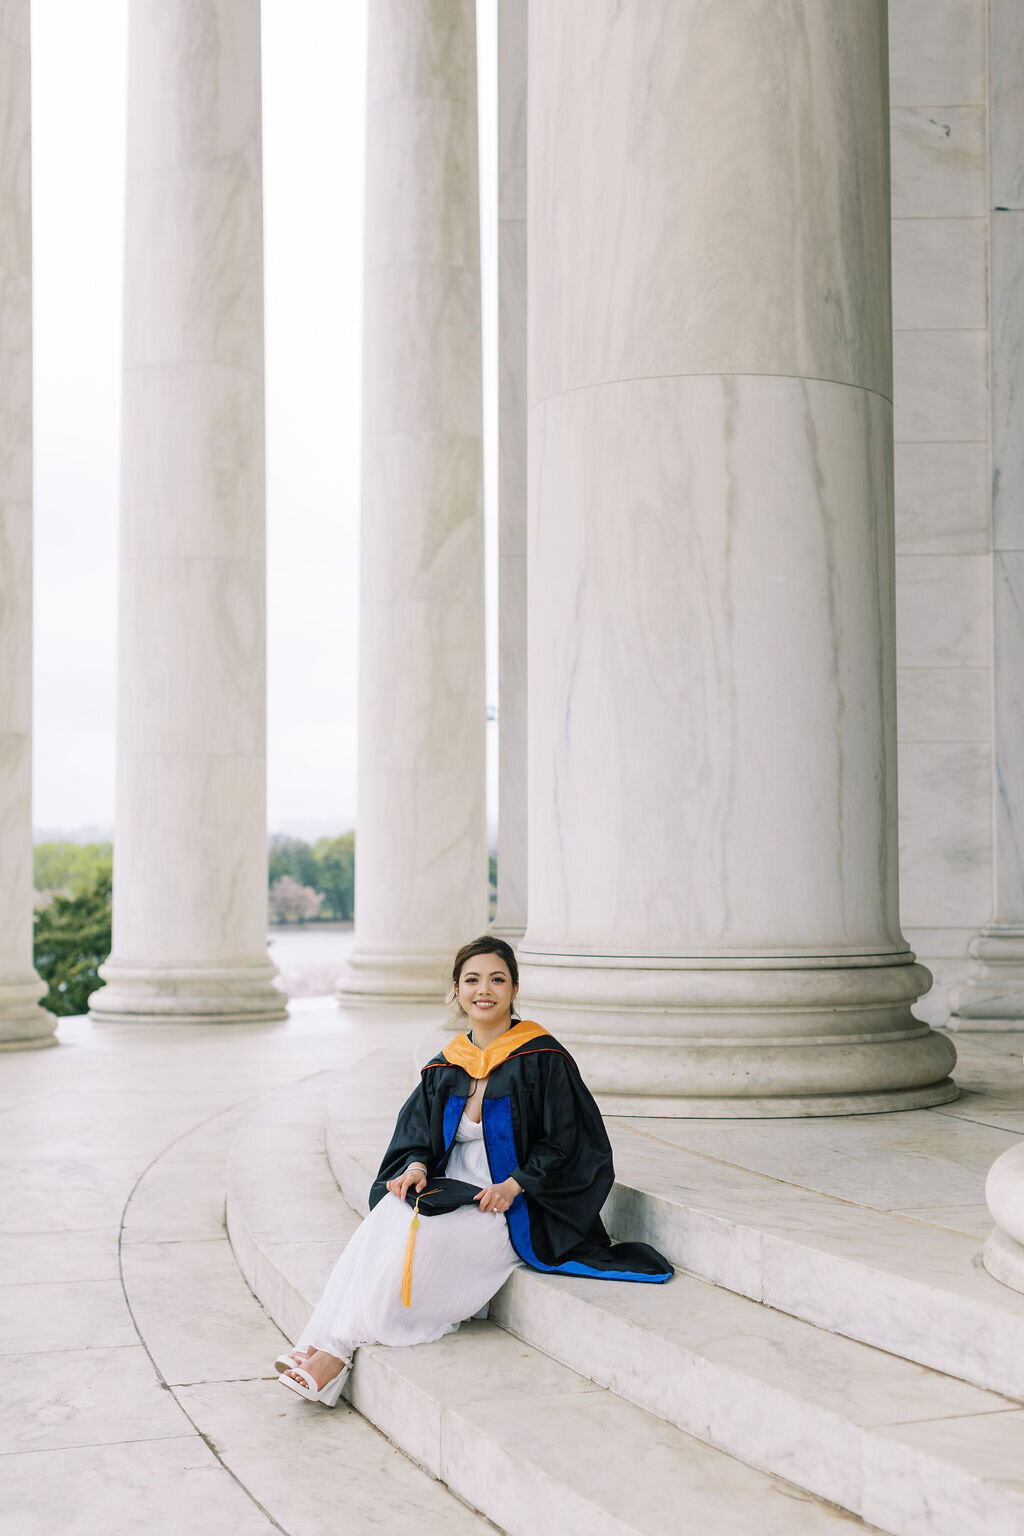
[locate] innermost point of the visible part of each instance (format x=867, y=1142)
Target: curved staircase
x=816, y=1363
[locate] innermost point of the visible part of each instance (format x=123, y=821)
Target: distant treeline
x=325, y=868
x=73, y=905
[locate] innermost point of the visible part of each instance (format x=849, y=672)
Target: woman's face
x=485, y=989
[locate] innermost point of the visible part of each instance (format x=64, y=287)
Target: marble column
x=993, y=998
x=22, y=1021
x=713, y=907
x=190, y=871
x=510, y=914
x=421, y=851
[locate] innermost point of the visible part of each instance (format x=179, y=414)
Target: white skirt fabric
x=460, y=1260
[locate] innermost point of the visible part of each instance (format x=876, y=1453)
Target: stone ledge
x=898, y=1281
x=804, y=1402
x=571, y=1461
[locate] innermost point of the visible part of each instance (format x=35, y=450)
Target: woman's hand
x=414, y=1177
x=498, y=1197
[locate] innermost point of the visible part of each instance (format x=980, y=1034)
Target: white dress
x=461, y=1258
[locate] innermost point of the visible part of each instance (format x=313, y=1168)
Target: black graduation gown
x=542, y=1127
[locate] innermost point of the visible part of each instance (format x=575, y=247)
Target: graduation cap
x=442, y=1195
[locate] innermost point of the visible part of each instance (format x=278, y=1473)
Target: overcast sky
x=314, y=97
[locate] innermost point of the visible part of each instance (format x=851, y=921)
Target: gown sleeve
x=565, y=1165
x=412, y=1141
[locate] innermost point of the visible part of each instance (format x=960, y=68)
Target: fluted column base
x=743, y=1038
x=1004, y=1193
x=393, y=976
x=24, y=1026
x=188, y=994
x=994, y=998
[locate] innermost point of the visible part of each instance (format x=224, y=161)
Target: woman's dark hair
x=485, y=946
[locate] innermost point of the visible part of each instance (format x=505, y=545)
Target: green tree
x=335, y=875
x=72, y=940
x=291, y=856
x=72, y=868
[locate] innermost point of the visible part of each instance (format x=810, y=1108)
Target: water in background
x=309, y=956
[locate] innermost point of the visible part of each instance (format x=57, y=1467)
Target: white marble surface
x=939, y=274
x=971, y=1484
x=1006, y=96
x=1007, y=378
x=422, y=868
x=137, y=1487
x=888, y=1162
x=596, y=1489
x=1009, y=735
x=191, y=788
x=22, y=1021
x=728, y=780
x=60, y=1316
x=993, y=994
x=940, y=386
x=778, y=1392
x=89, y=1411
x=429, y=1398
x=950, y=704
x=945, y=833
x=938, y=162
x=510, y=914
x=798, y=550
x=943, y=611
x=782, y=257
x=939, y=58
x=293, y=1474
x=280, y=1450
x=1004, y=1195
x=942, y=498
x=784, y=1396
x=694, y=466
x=104, y=1396
x=936, y=51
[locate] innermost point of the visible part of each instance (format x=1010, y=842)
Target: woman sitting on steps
x=502, y=1108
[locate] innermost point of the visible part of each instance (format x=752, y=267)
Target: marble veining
x=939, y=274
x=191, y=783
x=943, y=703
x=945, y=833
x=510, y=913
x=1009, y=736
x=767, y=251
x=936, y=51
x=1007, y=380
x=1006, y=96
x=691, y=558
x=938, y=162
x=943, y=610
x=421, y=873
x=942, y=499
x=21, y=1019
x=940, y=386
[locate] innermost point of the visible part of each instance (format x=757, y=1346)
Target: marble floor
x=140, y=1394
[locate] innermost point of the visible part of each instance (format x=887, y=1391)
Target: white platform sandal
x=307, y=1387
x=287, y=1362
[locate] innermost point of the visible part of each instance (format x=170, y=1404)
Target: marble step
x=903, y=1282
x=533, y=1445
x=905, y=1285
x=861, y=1427
x=259, y=1460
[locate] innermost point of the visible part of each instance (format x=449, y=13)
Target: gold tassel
x=407, y=1266
x=410, y=1244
